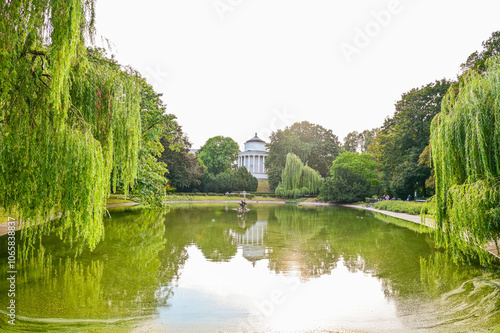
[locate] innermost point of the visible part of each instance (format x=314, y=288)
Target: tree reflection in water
x=116, y=283
x=134, y=271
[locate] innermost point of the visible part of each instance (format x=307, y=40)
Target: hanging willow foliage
x=465, y=142
x=298, y=179
x=67, y=119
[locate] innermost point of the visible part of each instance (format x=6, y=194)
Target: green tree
x=352, y=142
x=229, y=181
x=477, y=60
x=184, y=169
x=219, y=154
x=402, y=138
x=220, y=183
x=353, y=178
x=465, y=146
x=156, y=125
x=313, y=144
x=281, y=144
x=298, y=179
x=68, y=119
x=242, y=180
x=359, y=142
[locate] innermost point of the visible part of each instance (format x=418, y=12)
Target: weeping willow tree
x=68, y=119
x=298, y=179
x=465, y=142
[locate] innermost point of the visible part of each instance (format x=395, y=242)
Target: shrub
x=399, y=206
x=346, y=186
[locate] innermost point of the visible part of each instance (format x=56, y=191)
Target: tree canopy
x=359, y=142
x=353, y=178
x=70, y=120
x=465, y=144
x=403, y=137
x=219, y=154
x=298, y=179
x=313, y=144
x=184, y=169
x=477, y=60
x=230, y=181
x=157, y=125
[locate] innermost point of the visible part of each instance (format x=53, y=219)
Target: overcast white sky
x=236, y=67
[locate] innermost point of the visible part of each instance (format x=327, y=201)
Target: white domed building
x=254, y=157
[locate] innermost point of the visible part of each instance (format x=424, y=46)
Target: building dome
x=255, y=144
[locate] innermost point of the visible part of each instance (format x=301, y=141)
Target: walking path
x=402, y=216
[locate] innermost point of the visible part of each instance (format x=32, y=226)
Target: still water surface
x=204, y=268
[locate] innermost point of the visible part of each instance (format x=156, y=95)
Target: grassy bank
x=217, y=198
x=408, y=207
x=264, y=186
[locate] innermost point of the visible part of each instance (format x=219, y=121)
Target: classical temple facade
x=254, y=157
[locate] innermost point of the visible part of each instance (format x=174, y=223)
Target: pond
x=276, y=268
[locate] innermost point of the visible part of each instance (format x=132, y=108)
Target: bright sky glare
x=236, y=67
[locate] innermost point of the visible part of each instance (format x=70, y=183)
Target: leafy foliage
x=467, y=186
x=74, y=124
x=353, y=178
x=401, y=140
x=184, y=169
x=477, y=60
x=298, y=179
x=68, y=118
x=219, y=154
x=242, y=180
x=312, y=143
x=408, y=207
x=156, y=125
x=229, y=181
x=359, y=142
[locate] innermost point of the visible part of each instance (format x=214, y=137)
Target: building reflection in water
x=252, y=241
